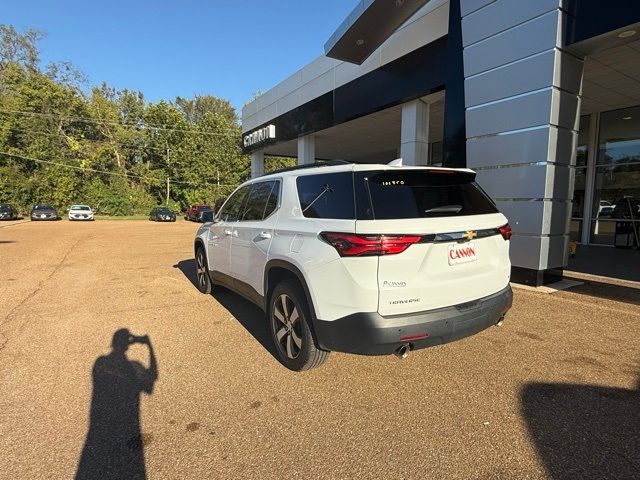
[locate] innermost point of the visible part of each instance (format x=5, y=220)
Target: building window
x=577, y=210
x=435, y=154
x=616, y=200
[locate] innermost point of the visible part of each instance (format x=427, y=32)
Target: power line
x=104, y=122
x=65, y=165
x=113, y=142
x=83, y=139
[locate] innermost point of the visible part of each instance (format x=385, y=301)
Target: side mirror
x=207, y=217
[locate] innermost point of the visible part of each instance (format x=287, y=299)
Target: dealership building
x=540, y=97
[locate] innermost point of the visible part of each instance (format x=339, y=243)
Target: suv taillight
x=353, y=245
x=505, y=231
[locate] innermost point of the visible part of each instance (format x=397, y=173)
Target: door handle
x=228, y=232
x=214, y=237
x=265, y=235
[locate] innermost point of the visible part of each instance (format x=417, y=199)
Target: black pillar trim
x=416, y=74
x=535, y=278
x=454, y=148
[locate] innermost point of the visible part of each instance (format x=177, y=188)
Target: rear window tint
x=327, y=196
x=419, y=194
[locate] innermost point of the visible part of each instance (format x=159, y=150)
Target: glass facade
x=435, y=154
x=577, y=210
x=616, y=196
x=615, y=213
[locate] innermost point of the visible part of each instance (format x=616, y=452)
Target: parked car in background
x=80, y=212
x=162, y=214
x=367, y=259
x=8, y=212
x=44, y=212
x=194, y=212
x=204, y=214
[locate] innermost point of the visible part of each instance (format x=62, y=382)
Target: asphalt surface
x=551, y=394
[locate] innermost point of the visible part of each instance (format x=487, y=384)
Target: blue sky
x=168, y=48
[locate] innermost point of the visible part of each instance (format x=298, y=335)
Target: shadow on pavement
x=114, y=447
x=606, y=262
x=584, y=431
x=251, y=317
x=609, y=291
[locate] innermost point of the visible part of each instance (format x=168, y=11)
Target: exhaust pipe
x=402, y=351
x=500, y=321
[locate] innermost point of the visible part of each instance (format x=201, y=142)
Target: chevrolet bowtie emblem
x=470, y=235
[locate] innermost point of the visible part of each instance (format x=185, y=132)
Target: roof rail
x=318, y=163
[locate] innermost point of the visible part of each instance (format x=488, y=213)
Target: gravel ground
x=551, y=394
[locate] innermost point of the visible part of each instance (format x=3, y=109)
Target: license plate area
x=458, y=253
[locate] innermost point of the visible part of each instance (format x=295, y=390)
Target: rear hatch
x=448, y=241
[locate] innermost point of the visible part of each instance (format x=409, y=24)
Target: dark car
x=7, y=212
x=162, y=214
x=44, y=212
x=194, y=212
x=204, y=214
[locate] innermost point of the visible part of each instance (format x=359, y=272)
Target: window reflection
x=435, y=154
x=620, y=137
x=577, y=208
x=616, y=200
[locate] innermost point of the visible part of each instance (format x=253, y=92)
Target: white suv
x=366, y=259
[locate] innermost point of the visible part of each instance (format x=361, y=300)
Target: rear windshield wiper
x=325, y=189
x=445, y=209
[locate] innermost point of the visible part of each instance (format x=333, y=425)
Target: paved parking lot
x=554, y=393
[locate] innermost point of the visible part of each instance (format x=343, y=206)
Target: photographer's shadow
x=114, y=447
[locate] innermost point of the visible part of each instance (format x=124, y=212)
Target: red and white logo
x=462, y=253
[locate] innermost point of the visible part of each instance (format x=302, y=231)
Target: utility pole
x=167, y=162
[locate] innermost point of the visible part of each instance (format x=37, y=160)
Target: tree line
x=63, y=142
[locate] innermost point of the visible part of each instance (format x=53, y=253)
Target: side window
x=232, y=208
x=257, y=201
x=272, y=202
x=327, y=196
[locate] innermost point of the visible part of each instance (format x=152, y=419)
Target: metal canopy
x=368, y=26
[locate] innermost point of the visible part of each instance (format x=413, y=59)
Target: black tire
x=203, y=281
x=296, y=347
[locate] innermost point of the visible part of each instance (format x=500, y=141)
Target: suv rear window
x=388, y=194
x=421, y=194
x=329, y=195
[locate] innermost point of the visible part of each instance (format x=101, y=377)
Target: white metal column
x=257, y=163
x=414, y=136
x=306, y=150
x=589, y=180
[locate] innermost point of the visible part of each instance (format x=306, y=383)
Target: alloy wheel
x=287, y=326
x=201, y=269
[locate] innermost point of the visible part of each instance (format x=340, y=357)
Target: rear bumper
x=373, y=334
